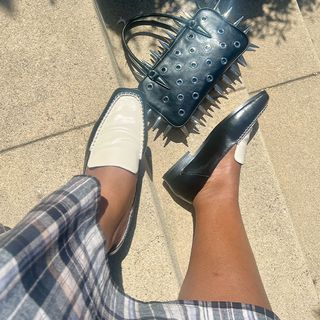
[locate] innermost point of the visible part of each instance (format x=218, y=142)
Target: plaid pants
x=53, y=265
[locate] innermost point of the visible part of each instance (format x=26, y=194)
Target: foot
x=118, y=187
x=223, y=183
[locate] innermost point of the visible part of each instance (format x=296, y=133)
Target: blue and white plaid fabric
x=53, y=265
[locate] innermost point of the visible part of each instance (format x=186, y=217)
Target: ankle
x=222, y=190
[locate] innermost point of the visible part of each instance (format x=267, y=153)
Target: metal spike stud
x=242, y=61
x=157, y=135
x=238, y=21
x=252, y=47
x=218, y=89
x=187, y=15
x=166, y=131
x=216, y=7
x=157, y=123
x=171, y=35
x=164, y=45
x=174, y=29
x=213, y=102
x=227, y=80
x=185, y=131
x=155, y=54
x=149, y=114
x=204, y=111
x=197, y=121
x=235, y=70
x=148, y=65
x=194, y=120
x=227, y=13
x=178, y=23
x=246, y=31
x=210, y=99
x=195, y=129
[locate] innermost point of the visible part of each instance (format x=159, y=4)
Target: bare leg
x=222, y=266
x=117, y=192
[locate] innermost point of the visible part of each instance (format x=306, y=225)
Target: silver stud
x=166, y=131
x=236, y=23
x=148, y=65
x=149, y=87
x=155, y=54
x=171, y=35
x=164, y=44
x=235, y=69
x=194, y=120
x=197, y=121
x=187, y=15
x=195, y=129
x=252, y=47
x=216, y=7
x=204, y=111
x=218, y=89
x=157, y=123
x=210, y=99
x=157, y=135
x=224, y=60
x=246, y=31
x=226, y=79
x=178, y=23
x=185, y=131
x=227, y=13
x=149, y=114
x=242, y=61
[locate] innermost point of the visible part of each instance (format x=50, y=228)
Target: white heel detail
x=240, y=153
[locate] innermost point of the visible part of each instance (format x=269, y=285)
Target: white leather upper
x=240, y=152
x=119, y=138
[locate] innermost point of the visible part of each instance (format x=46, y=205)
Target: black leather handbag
x=193, y=58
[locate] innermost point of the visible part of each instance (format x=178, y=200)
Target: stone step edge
x=317, y=54
x=156, y=200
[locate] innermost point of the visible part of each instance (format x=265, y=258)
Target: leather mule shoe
x=187, y=177
x=119, y=138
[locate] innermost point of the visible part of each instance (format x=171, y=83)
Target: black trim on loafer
x=187, y=177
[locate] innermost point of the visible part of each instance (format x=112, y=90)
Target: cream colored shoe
x=119, y=139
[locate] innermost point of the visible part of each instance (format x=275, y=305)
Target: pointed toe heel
x=189, y=174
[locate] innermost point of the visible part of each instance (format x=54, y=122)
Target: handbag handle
x=139, y=68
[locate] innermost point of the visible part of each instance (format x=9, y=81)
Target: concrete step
x=55, y=69
x=310, y=11
x=267, y=217
x=289, y=66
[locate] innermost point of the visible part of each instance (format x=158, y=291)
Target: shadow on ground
x=8, y=5
x=268, y=18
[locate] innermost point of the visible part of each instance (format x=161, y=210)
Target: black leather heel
x=188, y=175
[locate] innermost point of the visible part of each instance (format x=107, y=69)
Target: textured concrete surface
x=286, y=50
x=150, y=270
x=291, y=131
x=31, y=172
x=311, y=16
x=55, y=71
x=273, y=238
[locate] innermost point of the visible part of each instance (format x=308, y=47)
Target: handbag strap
x=140, y=68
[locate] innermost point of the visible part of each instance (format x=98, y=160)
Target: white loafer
x=119, y=138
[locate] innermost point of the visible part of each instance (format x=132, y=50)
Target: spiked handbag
x=193, y=58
